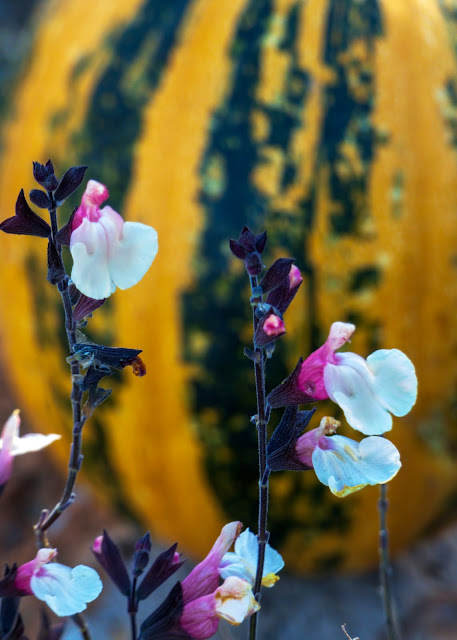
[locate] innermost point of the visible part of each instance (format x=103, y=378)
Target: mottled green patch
x=365, y=278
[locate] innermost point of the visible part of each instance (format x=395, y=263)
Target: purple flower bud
x=282, y=295
x=108, y=555
x=249, y=248
x=270, y=328
x=44, y=175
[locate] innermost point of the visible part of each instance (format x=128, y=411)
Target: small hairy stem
x=76, y=457
x=385, y=571
x=264, y=472
x=79, y=620
x=132, y=609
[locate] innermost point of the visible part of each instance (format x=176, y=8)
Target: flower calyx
x=281, y=448
x=249, y=248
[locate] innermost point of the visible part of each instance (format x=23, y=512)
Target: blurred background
x=330, y=123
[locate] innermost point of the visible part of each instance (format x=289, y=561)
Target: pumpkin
x=330, y=123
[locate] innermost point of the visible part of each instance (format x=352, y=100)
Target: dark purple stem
x=76, y=457
x=264, y=472
x=48, y=518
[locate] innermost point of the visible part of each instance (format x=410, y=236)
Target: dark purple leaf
x=64, y=234
x=8, y=615
x=26, y=221
x=85, y=306
x=94, y=374
x=116, y=357
x=96, y=396
x=69, y=183
x=162, y=568
x=40, y=199
x=288, y=392
x=163, y=623
x=281, y=453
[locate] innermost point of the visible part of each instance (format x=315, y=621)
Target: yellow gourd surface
x=332, y=124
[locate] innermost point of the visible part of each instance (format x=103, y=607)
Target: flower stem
x=132, y=609
x=264, y=472
x=76, y=457
x=79, y=620
x=385, y=571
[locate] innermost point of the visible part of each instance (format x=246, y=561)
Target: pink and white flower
x=204, y=578
x=107, y=252
x=233, y=601
x=12, y=445
x=205, y=602
x=66, y=591
x=344, y=465
x=368, y=391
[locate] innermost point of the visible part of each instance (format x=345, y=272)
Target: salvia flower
x=107, y=252
x=243, y=561
x=232, y=601
x=368, y=391
x=65, y=590
x=204, y=578
x=344, y=465
x=12, y=445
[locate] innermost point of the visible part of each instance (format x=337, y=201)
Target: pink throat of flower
x=88, y=212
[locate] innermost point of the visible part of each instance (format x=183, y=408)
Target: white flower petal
x=234, y=600
x=350, y=386
x=273, y=561
x=395, y=381
x=90, y=272
x=33, y=442
x=66, y=591
x=246, y=546
x=347, y=466
x=243, y=562
x=234, y=565
x=132, y=256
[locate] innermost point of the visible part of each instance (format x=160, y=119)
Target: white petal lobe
x=66, y=591
x=353, y=392
x=395, y=381
x=347, y=466
x=132, y=256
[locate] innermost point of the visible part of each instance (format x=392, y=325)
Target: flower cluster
x=195, y=606
x=368, y=392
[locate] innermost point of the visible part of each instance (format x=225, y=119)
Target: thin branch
x=385, y=571
x=76, y=457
